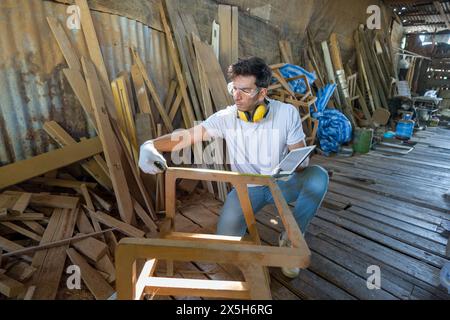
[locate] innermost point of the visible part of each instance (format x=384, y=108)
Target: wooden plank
x=83, y=224
x=92, y=40
x=23, y=217
x=151, y=87
x=176, y=62
x=138, y=189
x=105, y=265
x=224, y=15
x=22, y=203
x=195, y=287
x=110, y=147
x=151, y=225
x=205, y=94
x=96, y=168
x=29, y=293
x=93, y=280
x=234, y=34
x=142, y=97
x=36, y=227
x=105, y=204
x=170, y=95
x=22, y=231
x=125, y=117
x=64, y=44
x=21, y=271
x=53, y=244
x=50, y=268
x=23, y=170
x=8, y=245
x=49, y=200
x=10, y=287
x=123, y=227
x=91, y=248
x=214, y=75
x=180, y=25
x=61, y=183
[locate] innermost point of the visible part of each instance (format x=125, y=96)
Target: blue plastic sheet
x=334, y=127
x=299, y=85
x=334, y=130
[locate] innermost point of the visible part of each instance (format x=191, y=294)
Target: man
x=258, y=132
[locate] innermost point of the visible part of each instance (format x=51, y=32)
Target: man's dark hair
x=252, y=66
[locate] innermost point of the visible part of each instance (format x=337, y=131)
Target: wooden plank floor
x=383, y=210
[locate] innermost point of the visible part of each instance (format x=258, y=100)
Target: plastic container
x=405, y=127
x=362, y=140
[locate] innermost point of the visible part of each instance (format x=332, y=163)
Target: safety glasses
x=248, y=92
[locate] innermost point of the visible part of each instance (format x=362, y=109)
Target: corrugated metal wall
x=33, y=88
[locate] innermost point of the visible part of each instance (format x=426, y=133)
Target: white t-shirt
x=257, y=148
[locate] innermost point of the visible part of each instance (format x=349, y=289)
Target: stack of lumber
x=38, y=230
x=362, y=94
x=78, y=200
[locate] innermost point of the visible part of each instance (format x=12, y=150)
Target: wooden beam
x=91, y=248
x=197, y=287
x=110, y=146
x=50, y=263
x=49, y=200
x=22, y=231
x=66, y=47
x=142, y=97
x=125, y=116
x=442, y=13
x=61, y=183
x=93, y=280
x=176, y=62
x=95, y=167
x=23, y=217
x=26, y=169
x=21, y=250
x=22, y=203
x=181, y=27
x=9, y=287
x=122, y=227
x=91, y=40
x=164, y=116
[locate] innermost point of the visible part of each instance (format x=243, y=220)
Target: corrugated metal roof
x=422, y=17
x=32, y=86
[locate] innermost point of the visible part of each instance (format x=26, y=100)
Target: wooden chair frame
x=251, y=257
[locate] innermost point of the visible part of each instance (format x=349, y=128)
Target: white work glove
x=150, y=160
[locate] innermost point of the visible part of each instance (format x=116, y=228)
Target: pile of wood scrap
x=362, y=93
x=38, y=230
x=78, y=200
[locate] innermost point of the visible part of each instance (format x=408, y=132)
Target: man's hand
x=150, y=160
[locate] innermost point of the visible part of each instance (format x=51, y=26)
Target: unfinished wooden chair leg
x=256, y=280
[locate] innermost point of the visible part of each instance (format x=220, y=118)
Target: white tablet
x=294, y=158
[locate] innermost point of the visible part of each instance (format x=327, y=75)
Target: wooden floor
x=383, y=210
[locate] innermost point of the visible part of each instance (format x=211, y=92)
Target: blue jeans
x=306, y=188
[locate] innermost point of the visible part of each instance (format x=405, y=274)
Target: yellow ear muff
x=243, y=116
x=258, y=114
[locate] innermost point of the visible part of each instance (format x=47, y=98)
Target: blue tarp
x=334, y=127
x=290, y=71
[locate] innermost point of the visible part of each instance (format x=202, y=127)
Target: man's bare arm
x=180, y=139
